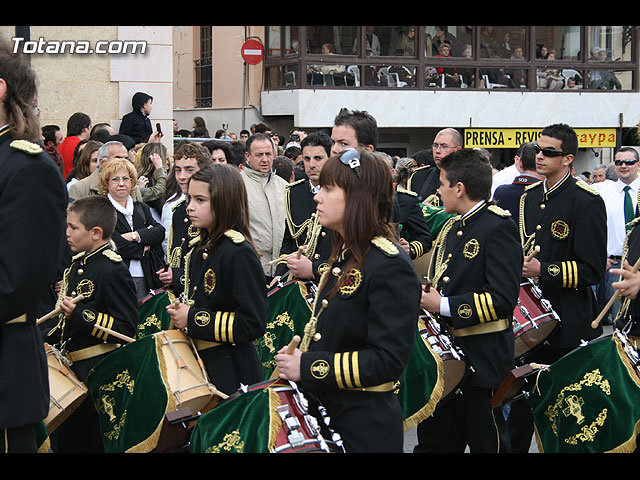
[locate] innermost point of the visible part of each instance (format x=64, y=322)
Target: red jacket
x=66, y=149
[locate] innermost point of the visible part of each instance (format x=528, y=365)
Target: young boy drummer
x=476, y=271
x=109, y=300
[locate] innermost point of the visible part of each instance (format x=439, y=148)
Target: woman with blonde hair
x=138, y=236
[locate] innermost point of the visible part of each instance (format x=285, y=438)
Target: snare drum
x=300, y=427
x=66, y=392
x=188, y=380
x=442, y=343
x=533, y=318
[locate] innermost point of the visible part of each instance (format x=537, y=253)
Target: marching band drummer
x=99, y=274
x=225, y=307
x=476, y=271
x=32, y=213
x=361, y=333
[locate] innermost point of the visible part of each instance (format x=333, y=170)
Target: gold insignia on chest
x=85, y=288
x=320, y=369
x=209, y=281
x=202, y=319
x=560, y=229
x=351, y=282
x=324, y=267
x=471, y=249
x=464, y=310
x=192, y=231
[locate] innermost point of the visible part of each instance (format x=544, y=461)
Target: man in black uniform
x=98, y=274
x=301, y=223
x=567, y=219
x=32, y=212
x=476, y=272
x=425, y=180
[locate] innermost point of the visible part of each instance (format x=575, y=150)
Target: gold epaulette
x=26, y=146
x=111, y=255
x=533, y=185
x=585, y=186
x=408, y=192
x=386, y=246
x=501, y=212
x=235, y=236
x=289, y=185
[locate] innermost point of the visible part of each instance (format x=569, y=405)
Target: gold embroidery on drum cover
x=471, y=249
x=202, y=319
x=209, y=281
x=464, y=310
x=231, y=442
x=85, y=288
x=560, y=229
x=319, y=369
x=350, y=283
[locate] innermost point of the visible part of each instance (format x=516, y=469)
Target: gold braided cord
x=527, y=241
x=437, y=266
x=310, y=327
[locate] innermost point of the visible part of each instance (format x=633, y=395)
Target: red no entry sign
x=252, y=51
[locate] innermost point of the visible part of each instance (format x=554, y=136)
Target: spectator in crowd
x=86, y=163
x=151, y=168
x=265, y=191
x=199, y=123
x=78, y=129
x=136, y=124
x=137, y=235
x=244, y=135
x=237, y=152
x=599, y=173
x=101, y=132
x=219, y=151
x=53, y=137
x=89, y=185
x=284, y=167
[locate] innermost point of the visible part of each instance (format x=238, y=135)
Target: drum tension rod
x=293, y=425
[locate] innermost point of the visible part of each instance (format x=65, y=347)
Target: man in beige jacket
x=265, y=191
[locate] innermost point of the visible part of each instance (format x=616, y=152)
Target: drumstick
x=298, y=254
x=295, y=341
x=612, y=300
x=532, y=254
x=57, y=311
x=114, y=333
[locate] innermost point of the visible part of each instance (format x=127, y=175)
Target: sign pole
x=244, y=90
x=252, y=52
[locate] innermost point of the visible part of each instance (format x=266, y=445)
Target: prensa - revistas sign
x=514, y=137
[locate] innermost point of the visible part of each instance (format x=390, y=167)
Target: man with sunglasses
x=621, y=200
x=567, y=219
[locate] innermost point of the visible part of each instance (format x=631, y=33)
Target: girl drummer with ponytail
x=225, y=308
x=358, y=340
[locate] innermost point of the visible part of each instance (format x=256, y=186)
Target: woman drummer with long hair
x=358, y=340
x=225, y=308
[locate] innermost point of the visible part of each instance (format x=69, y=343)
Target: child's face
x=78, y=237
x=199, y=206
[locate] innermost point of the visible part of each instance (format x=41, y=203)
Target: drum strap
x=20, y=319
x=92, y=351
x=384, y=387
x=204, y=344
x=481, y=328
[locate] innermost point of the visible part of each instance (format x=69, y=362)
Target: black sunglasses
x=351, y=157
x=628, y=161
x=549, y=152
